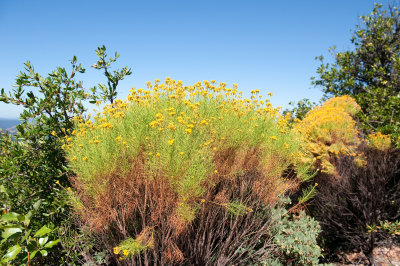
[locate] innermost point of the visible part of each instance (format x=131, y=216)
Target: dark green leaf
x=10, y=217
x=42, y=231
x=7, y=232
x=51, y=244
x=12, y=252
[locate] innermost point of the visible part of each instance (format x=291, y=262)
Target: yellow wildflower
x=118, y=138
x=170, y=142
x=117, y=250
x=172, y=126
x=159, y=116
x=126, y=252
x=85, y=158
x=286, y=146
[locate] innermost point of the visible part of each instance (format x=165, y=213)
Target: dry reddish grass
x=144, y=207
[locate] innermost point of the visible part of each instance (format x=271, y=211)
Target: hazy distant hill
x=9, y=125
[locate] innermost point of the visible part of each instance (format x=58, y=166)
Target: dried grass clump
x=362, y=199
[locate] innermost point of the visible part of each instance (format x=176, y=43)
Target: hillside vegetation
x=198, y=174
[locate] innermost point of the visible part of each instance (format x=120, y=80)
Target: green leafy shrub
x=33, y=165
x=17, y=234
x=299, y=109
x=369, y=71
x=295, y=236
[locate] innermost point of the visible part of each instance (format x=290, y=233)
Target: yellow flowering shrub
x=329, y=131
x=156, y=156
x=379, y=141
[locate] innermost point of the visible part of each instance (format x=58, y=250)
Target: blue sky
x=266, y=45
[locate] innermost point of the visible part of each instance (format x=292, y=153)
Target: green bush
x=32, y=163
x=369, y=71
x=295, y=236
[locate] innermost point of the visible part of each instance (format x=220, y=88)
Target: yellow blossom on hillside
x=329, y=130
x=116, y=250
x=380, y=141
x=172, y=126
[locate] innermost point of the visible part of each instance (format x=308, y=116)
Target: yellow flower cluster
x=329, y=130
x=177, y=109
x=380, y=141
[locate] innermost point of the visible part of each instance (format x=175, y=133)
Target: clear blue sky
x=266, y=45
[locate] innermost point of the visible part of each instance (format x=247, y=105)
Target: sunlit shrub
x=329, y=131
x=148, y=167
x=379, y=141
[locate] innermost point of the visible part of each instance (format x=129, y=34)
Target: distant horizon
x=9, y=118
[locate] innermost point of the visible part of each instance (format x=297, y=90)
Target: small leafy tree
x=33, y=166
x=298, y=110
x=370, y=72
x=47, y=116
x=109, y=92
